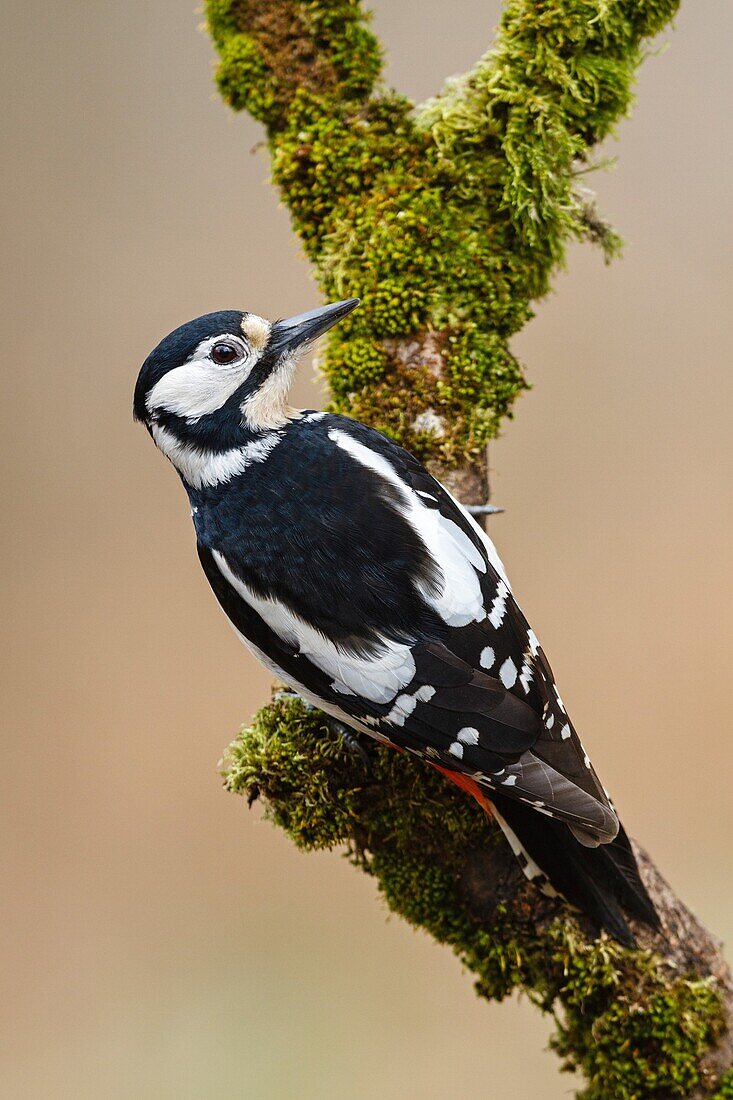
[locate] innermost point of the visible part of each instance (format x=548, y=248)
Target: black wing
x=554, y=772
x=463, y=680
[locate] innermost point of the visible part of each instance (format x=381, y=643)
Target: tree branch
x=449, y=221
x=557, y=80
x=651, y=1022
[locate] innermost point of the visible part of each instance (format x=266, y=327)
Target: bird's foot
x=350, y=739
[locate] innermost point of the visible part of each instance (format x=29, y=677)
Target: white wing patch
x=491, y=551
x=508, y=673
x=314, y=700
x=405, y=704
x=498, y=607
x=525, y=676
x=487, y=658
x=377, y=678
x=460, y=601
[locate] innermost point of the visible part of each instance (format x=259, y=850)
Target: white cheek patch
x=196, y=388
x=200, y=386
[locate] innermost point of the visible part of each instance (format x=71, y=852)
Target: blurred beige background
x=161, y=941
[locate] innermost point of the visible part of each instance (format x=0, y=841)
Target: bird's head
x=226, y=375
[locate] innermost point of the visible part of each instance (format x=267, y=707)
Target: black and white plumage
x=355, y=577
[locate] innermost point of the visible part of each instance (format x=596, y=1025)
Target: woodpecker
x=357, y=579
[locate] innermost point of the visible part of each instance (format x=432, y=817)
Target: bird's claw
x=349, y=738
x=351, y=741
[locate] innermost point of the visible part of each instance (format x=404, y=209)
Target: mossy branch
x=449, y=220
x=635, y=1023
x=556, y=82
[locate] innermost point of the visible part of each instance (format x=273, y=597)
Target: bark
x=688, y=947
x=491, y=877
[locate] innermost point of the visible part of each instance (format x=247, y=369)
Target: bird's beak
x=295, y=333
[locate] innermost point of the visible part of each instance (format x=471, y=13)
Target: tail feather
x=632, y=891
x=602, y=882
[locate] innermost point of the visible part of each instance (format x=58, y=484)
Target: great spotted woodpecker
x=356, y=578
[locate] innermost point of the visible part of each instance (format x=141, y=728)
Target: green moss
x=241, y=77
x=648, y=1045
x=396, y=307
x=450, y=219
x=556, y=82
x=340, y=29
x=221, y=21
x=290, y=754
x=629, y=1025
x=724, y=1090
x=356, y=365
x=373, y=220
x=270, y=52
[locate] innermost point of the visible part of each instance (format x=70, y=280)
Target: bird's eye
x=224, y=353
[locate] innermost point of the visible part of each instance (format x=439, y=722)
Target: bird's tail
x=602, y=882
